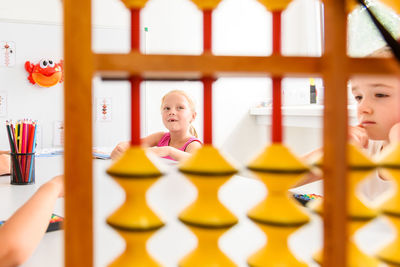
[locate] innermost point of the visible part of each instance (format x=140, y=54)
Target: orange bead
x=134, y=3
x=275, y=5
x=206, y=4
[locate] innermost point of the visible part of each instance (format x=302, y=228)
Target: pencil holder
x=22, y=168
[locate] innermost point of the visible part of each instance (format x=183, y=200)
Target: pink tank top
x=164, y=141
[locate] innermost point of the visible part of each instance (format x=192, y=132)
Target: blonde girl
x=178, y=112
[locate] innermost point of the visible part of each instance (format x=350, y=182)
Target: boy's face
x=378, y=104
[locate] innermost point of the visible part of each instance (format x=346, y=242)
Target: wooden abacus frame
x=81, y=64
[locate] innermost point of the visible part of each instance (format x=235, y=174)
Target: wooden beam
x=336, y=69
x=373, y=66
x=196, y=67
x=185, y=67
x=78, y=71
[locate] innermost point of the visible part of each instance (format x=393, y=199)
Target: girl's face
x=378, y=104
x=176, y=112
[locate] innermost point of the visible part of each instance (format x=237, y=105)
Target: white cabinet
x=307, y=116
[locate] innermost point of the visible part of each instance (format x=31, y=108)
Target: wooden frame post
x=78, y=133
x=335, y=73
x=80, y=65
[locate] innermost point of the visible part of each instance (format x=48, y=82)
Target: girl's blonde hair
x=192, y=107
x=382, y=52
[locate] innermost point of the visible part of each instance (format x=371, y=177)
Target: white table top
x=168, y=197
x=50, y=250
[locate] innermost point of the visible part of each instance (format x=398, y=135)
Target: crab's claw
x=61, y=64
x=29, y=67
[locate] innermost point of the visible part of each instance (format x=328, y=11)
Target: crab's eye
x=51, y=63
x=43, y=63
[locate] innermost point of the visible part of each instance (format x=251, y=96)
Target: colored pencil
x=29, y=148
x=22, y=139
x=16, y=166
x=23, y=149
x=19, y=137
x=13, y=136
x=32, y=148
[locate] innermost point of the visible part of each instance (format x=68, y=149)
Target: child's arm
x=310, y=158
x=4, y=163
x=174, y=153
x=357, y=135
x=148, y=141
x=152, y=140
x=22, y=232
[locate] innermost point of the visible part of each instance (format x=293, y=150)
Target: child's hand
x=394, y=133
x=119, y=150
x=4, y=164
x=162, y=151
x=359, y=136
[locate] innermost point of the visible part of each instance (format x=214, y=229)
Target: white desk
x=50, y=250
x=168, y=197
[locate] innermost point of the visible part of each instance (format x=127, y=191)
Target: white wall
x=35, y=41
x=106, y=13
x=241, y=27
x=24, y=100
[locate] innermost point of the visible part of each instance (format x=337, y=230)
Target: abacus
x=208, y=166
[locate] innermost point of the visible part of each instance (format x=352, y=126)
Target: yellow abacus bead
x=278, y=208
x=275, y=5
x=207, y=252
x=277, y=157
x=135, y=164
x=276, y=251
x=207, y=161
x=208, y=170
x=135, y=253
x=355, y=256
x=390, y=253
x=134, y=3
x=206, y=4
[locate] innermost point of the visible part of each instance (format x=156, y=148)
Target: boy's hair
x=192, y=106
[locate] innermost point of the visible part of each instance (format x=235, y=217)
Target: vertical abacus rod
x=276, y=81
x=135, y=81
x=135, y=110
x=78, y=70
x=335, y=136
x=135, y=29
x=207, y=30
x=207, y=91
x=276, y=110
x=276, y=32
x=207, y=81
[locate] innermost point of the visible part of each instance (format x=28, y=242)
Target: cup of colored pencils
x=22, y=138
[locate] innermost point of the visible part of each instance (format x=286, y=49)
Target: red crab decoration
x=46, y=73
